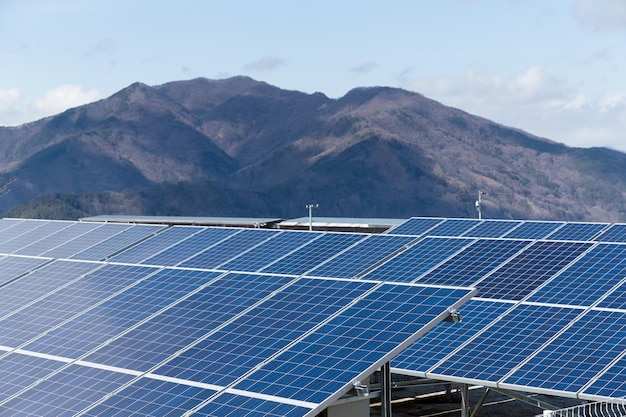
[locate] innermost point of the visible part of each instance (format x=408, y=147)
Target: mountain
x=241, y=147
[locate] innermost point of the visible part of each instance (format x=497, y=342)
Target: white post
x=311, y=207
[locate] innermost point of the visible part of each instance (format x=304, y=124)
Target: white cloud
x=364, y=67
x=9, y=98
x=13, y=110
x=265, y=64
x=535, y=101
x=601, y=15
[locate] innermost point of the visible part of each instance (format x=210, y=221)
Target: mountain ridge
x=259, y=150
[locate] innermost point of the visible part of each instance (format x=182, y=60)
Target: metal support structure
x=480, y=402
x=385, y=390
x=479, y=203
x=526, y=399
x=465, y=401
x=311, y=207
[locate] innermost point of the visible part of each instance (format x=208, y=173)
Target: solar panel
x=57, y=238
x=533, y=230
x=615, y=298
x=416, y=226
x=418, y=259
x=445, y=337
x=312, y=254
x=473, y=262
x=12, y=267
x=240, y=405
x=506, y=343
x=454, y=227
x=18, y=229
x=157, y=339
x=45, y=280
x=151, y=397
x=6, y=224
x=362, y=256
x=42, y=230
x=229, y=248
x=577, y=231
x=614, y=233
x=528, y=270
x=190, y=246
x=588, y=279
x=611, y=383
x=51, y=396
x=492, y=228
x=356, y=341
x=269, y=251
x=575, y=356
x=117, y=242
x=119, y=313
x=20, y=371
x=87, y=240
x=155, y=244
x=50, y=311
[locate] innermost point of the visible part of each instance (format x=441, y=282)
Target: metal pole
x=465, y=401
x=311, y=207
x=385, y=390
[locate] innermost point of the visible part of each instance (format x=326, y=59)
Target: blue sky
x=554, y=68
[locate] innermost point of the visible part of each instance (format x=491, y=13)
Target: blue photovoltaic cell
x=415, y=226
x=118, y=242
x=6, y=224
x=119, y=313
x=252, y=338
x=312, y=254
x=445, y=337
x=574, y=357
x=177, y=327
x=588, y=279
x=615, y=233
x=362, y=256
x=473, y=262
x=12, y=267
x=151, y=397
x=419, y=258
x=229, y=248
x=328, y=359
x=453, y=227
x=506, y=343
x=531, y=268
x=269, y=251
x=533, y=230
x=42, y=230
x=19, y=371
x=229, y=405
x=492, y=228
x=52, y=310
x=65, y=393
x=79, y=243
x=577, y=231
x=56, y=239
x=611, y=383
x=44, y=280
x=189, y=247
x=155, y=244
x=615, y=298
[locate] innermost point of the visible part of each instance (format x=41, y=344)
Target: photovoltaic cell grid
x=42, y=230
x=83, y=241
x=360, y=257
x=492, y=228
x=12, y=267
x=20, y=371
x=415, y=226
x=454, y=227
x=587, y=280
x=446, y=337
x=58, y=238
x=161, y=241
x=577, y=231
x=117, y=242
x=269, y=251
x=614, y=233
x=409, y=265
x=474, y=262
x=533, y=230
x=531, y=268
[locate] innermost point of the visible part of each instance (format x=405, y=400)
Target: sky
x=553, y=68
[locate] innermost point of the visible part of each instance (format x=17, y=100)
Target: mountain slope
x=245, y=148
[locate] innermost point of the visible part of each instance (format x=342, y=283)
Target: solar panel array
x=550, y=314
x=123, y=319
x=212, y=320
